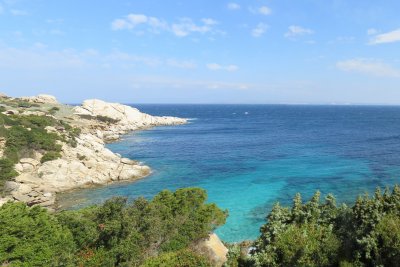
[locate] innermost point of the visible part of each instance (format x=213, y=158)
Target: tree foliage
x=33, y=237
x=319, y=233
x=181, y=258
x=116, y=233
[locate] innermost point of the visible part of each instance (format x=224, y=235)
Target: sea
x=249, y=157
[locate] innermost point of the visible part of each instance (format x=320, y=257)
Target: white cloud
x=297, y=31
x=136, y=19
x=131, y=21
x=263, y=10
x=120, y=24
x=233, y=6
x=209, y=21
x=372, y=31
x=182, y=28
x=40, y=57
x=389, y=37
x=18, y=12
x=186, y=26
x=259, y=30
x=181, y=64
x=368, y=66
x=217, y=67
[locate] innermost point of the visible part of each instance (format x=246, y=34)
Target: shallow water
x=248, y=157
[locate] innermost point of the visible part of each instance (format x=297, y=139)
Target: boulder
x=10, y=186
x=41, y=99
x=11, y=112
x=213, y=249
x=130, y=172
x=27, y=165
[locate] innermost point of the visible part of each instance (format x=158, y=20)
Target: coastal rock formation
x=119, y=118
x=213, y=249
x=87, y=162
x=41, y=99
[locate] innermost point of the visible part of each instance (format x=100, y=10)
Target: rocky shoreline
x=88, y=162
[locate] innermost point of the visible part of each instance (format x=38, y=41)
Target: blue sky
x=153, y=51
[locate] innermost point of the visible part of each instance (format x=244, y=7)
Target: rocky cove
x=83, y=161
x=86, y=163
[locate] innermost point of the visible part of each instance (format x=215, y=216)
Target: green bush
x=106, y=119
x=7, y=171
x=116, y=233
x=182, y=258
x=24, y=104
x=51, y=155
x=54, y=110
x=307, y=245
x=322, y=234
x=33, y=237
x=129, y=233
x=387, y=234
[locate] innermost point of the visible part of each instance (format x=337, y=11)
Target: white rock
x=11, y=112
x=132, y=172
x=24, y=189
x=11, y=186
x=41, y=99
x=47, y=194
x=51, y=129
x=18, y=167
x=29, y=161
x=125, y=115
x=214, y=249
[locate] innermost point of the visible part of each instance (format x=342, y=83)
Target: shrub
x=51, y=155
x=7, y=171
x=322, y=234
x=182, y=258
x=54, y=110
x=32, y=237
x=129, y=233
x=106, y=119
x=307, y=245
x=24, y=104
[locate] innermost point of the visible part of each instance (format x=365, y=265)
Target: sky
x=202, y=51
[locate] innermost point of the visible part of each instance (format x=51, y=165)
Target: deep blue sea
x=248, y=157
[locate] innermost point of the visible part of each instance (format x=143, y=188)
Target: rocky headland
x=85, y=161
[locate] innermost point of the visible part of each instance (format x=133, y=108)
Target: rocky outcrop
x=89, y=162
x=41, y=99
x=119, y=118
x=213, y=249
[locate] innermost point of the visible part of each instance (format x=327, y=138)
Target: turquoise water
x=248, y=157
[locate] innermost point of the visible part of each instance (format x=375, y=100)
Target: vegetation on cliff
x=322, y=234
x=116, y=233
x=25, y=134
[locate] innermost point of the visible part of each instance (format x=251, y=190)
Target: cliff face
x=87, y=162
